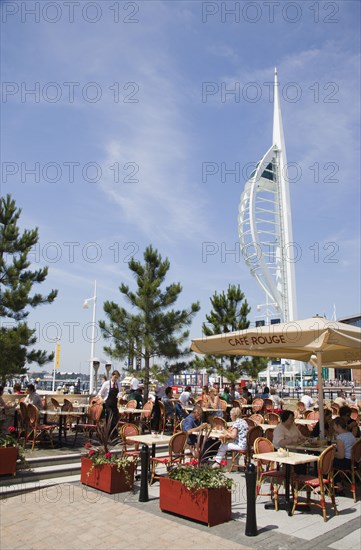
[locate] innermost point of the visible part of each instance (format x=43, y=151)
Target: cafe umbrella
x=315, y=339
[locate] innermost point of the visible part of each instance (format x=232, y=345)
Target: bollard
x=251, y=521
x=144, y=467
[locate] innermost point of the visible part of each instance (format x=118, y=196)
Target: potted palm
x=10, y=451
x=103, y=469
x=196, y=490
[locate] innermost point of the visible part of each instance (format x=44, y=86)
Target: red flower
x=87, y=445
x=11, y=429
x=108, y=455
x=223, y=462
x=91, y=453
x=194, y=462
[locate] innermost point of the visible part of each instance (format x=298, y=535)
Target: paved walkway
x=71, y=516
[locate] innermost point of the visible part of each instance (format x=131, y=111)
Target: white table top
x=129, y=410
x=292, y=458
x=150, y=439
x=61, y=413
x=305, y=422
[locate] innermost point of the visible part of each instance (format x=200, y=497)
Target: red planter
x=8, y=458
x=106, y=477
x=211, y=506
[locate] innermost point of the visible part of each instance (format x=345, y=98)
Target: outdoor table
x=292, y=459
x=266, y=426
x=153, y=440
x=62, y=415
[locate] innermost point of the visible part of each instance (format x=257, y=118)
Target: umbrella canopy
x=316, y=338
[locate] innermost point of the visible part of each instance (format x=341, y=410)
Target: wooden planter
x=106, y=477
x=8, y=458
x=210, y=506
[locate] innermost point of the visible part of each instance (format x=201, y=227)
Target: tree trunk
x=146, y=376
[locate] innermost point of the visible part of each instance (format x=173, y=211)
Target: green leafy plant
x=99, y=452
x=11, y=440
x=197, y=473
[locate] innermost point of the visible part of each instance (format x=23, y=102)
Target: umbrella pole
x=320, y=394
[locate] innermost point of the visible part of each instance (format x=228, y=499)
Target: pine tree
x=154, y=329
x=16, y=283
x=229, y=313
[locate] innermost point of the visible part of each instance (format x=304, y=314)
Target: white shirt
x=134, y=384
x=184, y=398
x=104, y=390
x=308, y=401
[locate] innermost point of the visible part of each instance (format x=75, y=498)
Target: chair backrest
x=272, y=418
x=218, y=423
x=129, y=429
x=325, y=462
x=313, y=415
x=94, y=413
x=251, y=423
x=354, y=413
x=268, y=434
x=235, y=403
x=132, y=404
x=303, y=430
x=263, y=445
x=335, y=408
x=356, y=453
x=242, y=400
x=301, y=407
x=253, y=434
x=68, y=406
x=24, y=414
x=257, y=404
x=177, y=444
x=55, y=403
x=268, y=404
x=147, y=409
x=223, y=404
x=33, y=415
x=257, y=418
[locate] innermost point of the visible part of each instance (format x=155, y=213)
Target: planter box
x=8, y=458
x=106, y=477
x=210, y=506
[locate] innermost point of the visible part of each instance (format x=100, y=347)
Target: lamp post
x=86, y=306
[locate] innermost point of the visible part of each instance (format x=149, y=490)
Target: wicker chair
x=257, y=405
x=267, y=471
x=38, y=431
x=257, y=418
x=176, y=452
x=321, y=485
x=272, y=418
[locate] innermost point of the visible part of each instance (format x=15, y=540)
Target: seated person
x=307, y=400
x=329, y=430
x=168, y=403
x=33, y=397
x=276, y=399
x=352, y=401
x=226, y=395
x=265, y=394
x=185, y=397
x=286, y=432
x=234, y=439
x=345, y=412
x=137, y=394
x=247, y=395
x=192, y=423
x=214, y=403
x=340, y=399
x=344, y=443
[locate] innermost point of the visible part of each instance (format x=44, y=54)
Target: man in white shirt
x=134, y=384
x=307, y=400
x=186, y=396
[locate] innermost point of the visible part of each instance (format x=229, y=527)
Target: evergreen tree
x=229, y=313
x=16, y=283
x=154, y=329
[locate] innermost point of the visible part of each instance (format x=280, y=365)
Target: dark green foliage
x=229, y=313
x=152, y=328
x=16, y=284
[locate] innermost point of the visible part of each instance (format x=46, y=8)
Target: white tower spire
x=265, y=225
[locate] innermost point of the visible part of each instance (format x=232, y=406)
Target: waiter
x=108, y=395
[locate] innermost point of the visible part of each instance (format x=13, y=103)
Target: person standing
x=108, y=395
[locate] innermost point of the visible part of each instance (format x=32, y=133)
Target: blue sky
x=119, y=128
